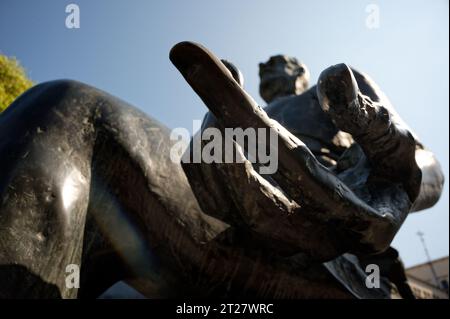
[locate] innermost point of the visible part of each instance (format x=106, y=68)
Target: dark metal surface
x=87, y=179
x=374, y=172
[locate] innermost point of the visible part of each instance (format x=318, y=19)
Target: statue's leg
x=65, y=145
x=46, y=141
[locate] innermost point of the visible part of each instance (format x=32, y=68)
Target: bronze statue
x=87, y=180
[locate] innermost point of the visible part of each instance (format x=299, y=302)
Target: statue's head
x=281, y=76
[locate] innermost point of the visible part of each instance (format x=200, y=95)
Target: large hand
x=316, y=212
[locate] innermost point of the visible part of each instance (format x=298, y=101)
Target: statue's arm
x=360, y=108
x=432, y=182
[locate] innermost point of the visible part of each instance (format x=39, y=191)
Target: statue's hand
x=358, y=106
x=312, y=210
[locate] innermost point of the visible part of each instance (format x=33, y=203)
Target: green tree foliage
x=13, y=81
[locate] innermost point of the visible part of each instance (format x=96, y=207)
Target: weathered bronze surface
x=87, y=179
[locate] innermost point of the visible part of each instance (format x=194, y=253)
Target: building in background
x=430, y=279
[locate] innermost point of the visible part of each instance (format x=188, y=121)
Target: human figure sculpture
x=87, y=180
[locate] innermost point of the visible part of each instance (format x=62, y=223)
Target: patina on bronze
x=87, y=179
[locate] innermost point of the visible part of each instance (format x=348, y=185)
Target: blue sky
x=122, y=47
